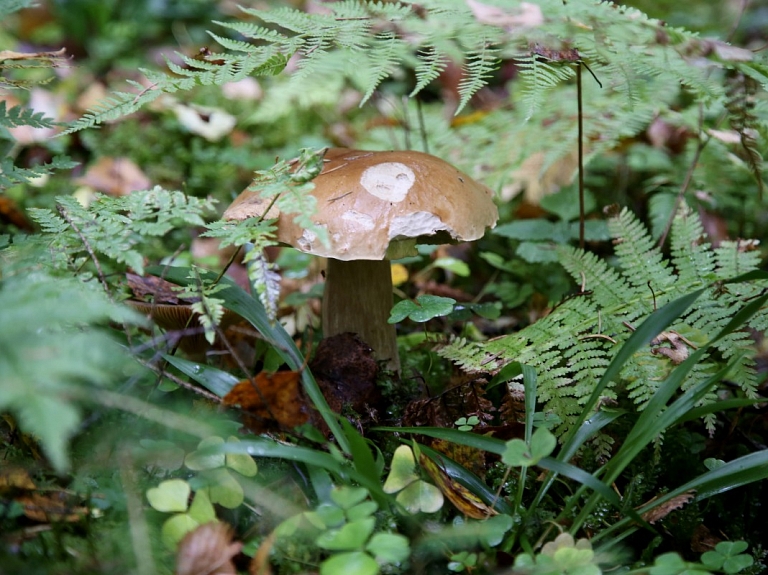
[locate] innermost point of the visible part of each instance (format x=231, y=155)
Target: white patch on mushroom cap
x=306, y=241
x=416, y=224
x=389, y=181
x=358, y=220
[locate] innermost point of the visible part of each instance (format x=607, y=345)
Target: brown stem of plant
x=180, y=382
x=687, y=181
x=580, y=123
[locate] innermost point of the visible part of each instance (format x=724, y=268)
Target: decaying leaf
x=470, y=458
x=462, y=498
x=538, y=180
x=271, y=401
x=677, y=351
x=527, y=16
x=661, y=511
x=260, y=562
x=207, y=550
x=40, y=505
x=115, y=177
x=10, y=213
x=53, y=58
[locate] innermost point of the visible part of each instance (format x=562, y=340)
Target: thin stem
x=580, y=122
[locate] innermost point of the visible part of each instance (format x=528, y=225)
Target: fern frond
x=11, y=175
x=21, y=116
x=431, y=64
x=540, y=77
x=118, y=227
x=571, y=347
x=637, y=251
x=479, y=65
x=265, y=281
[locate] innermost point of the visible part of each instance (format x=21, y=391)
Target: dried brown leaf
x=665, y=509
x=207, y=550
x=115, y=177
x=271, y=401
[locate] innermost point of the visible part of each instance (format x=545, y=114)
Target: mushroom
x=375, y=207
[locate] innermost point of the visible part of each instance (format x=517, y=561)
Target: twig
x=180, y=382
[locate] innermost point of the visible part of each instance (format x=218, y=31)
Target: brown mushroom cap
x=374, y=204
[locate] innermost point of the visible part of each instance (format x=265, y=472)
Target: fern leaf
x=430, y=65
x=265, y=281
x=478, y=67
x=21, y=116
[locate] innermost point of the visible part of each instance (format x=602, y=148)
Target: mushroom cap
x=372, y=202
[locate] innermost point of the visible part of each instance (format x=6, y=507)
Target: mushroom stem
x=358, y=299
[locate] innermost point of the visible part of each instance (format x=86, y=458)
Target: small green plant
x=213, y=483
x=413, y=493
x=563, y=556
x=466, y=423
x=727, y=557
x=345, y=527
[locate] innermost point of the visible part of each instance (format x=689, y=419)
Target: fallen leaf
x=271, y=401
x=10, y=213
x=115, y=177
x=51, y=507
x=55, y=57
x=260, y=562
x=665, y=509
x=14, y=479
x=462, y=498
x=528, y=16
x=210, y=123
x=208, y=550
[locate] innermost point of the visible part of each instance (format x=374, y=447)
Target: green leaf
x=389, y=547
x=175, y=528
x=362, y=510
x=518, y=454
x=223, y=489
x=454, y=265
x=214, y=380
x=420, y=496
x=354, y=563
x=423, y=309
x=402, y=470
x=197, y=461
x=347, y=497
x=350, y=537
x=202, y=509
x=530, y=230
x=170, y=496
x=240, y=462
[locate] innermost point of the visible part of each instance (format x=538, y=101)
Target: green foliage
x=54, y=349
x=563, y=556
x=414, y=494
x=727, y=557
x=214, y=483
x=424, y=308
x=520, y=454
x=345, y=526
x=571, y=348
x=117, y=228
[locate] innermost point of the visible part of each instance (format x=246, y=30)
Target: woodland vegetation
x=582, y=390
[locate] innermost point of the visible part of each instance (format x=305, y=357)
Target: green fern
x=117, y=228
x=56, y=350
x=571, y=347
